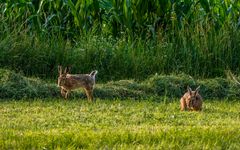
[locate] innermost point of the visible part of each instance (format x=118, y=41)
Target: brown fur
x=68, y=82
x=191, y=100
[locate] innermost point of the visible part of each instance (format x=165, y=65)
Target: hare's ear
x=60, y=70
x=197, y=89
x=189, y=90
x=66, y=70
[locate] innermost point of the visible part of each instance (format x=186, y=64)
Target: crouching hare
x=68, y=82
x=191, y=100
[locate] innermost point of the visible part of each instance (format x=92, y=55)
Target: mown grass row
x=162, y=87
x=115, y=124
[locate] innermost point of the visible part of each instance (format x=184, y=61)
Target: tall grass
x=120, y=38
x=193, y=51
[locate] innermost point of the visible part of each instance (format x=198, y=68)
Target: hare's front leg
x=183, y=104
x=198, y=106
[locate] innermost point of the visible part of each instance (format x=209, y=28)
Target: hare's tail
x=93, y=73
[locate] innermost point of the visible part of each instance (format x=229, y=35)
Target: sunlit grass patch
x=117, y=124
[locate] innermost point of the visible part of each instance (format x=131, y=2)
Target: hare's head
x=192, y=95
x=62, y=75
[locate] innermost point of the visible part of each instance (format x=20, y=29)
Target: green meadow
x=117, y=124
x=146, y=52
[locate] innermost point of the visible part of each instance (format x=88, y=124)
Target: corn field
x=134, y=17
x=197, y=37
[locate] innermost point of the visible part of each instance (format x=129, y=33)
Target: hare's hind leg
x=89, y=93
x=67, y=93
x=183, y=104
x=63, y=92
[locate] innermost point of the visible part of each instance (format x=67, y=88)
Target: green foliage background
x=121, y=38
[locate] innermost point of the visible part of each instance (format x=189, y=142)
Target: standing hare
x=191, y=100
x=68, y=82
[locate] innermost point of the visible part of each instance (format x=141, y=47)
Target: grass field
x=115, y=124
x=149, y=51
